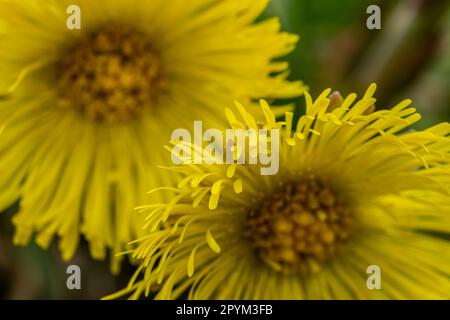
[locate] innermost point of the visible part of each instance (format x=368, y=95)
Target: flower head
x=355, y=189
x=84, y=112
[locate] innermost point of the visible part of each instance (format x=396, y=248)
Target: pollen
x=111, y=75
x=300, y=226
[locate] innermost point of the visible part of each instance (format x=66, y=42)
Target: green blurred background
x=408, y=58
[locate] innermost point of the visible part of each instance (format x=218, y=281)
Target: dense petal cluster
x=230, y=232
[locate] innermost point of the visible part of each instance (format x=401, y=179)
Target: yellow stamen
x=299, y=225
x=111, y=75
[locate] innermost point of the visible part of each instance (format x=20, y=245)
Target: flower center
x=112, y=75
x=299, y=226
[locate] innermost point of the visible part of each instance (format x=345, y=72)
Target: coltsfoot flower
x=355, y=189
x=83, y=113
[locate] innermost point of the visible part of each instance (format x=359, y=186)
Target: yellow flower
x=354, y=192
x=83, y=113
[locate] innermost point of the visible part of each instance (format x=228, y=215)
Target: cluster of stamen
x=111, y=75
x=299, y=226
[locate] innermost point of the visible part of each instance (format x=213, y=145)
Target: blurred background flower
x=409, y=58
x=84, y=114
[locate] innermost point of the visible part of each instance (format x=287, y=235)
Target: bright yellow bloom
x=354, y=190
x=84, y=112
